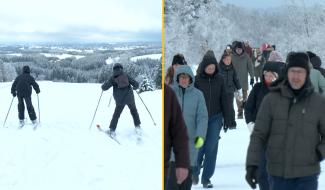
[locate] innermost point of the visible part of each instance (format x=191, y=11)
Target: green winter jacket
x=292, y=129
x=243, y=65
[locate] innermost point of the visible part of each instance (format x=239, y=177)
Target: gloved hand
x=319, y=155
x=37, y=92
x=135, y=88
x=199, y=141
x=252, y=81
x=229, y=125
x=251, y=176
x=239, y=95
x=14, y=94
x=251, y=126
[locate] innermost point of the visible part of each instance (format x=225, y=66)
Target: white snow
x=64, y=154
x=15, y=54
x=111, y=60
x=124, y=48
x=62, y=56
x=150, y=56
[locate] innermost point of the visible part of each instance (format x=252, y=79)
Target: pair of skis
x=138, y=134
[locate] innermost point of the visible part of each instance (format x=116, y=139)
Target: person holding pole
x=22, y=88
x=123, y=95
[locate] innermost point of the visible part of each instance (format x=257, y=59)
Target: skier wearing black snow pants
x=22, y=87
x=123, y=95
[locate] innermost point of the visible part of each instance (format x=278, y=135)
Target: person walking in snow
x=290, y=127
x=232, y=84
x=211, y=83
x=195, y=115
x=175, y=138
x=243, y=65
x=252, y=106
x=22, y=88
x=316, y=62
x=316, y=78
x=123, y=95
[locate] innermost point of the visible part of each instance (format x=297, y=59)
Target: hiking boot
x=207, y=184
x=195, y=179
x=111, y=133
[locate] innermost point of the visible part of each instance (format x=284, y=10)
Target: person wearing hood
x=290, y=127
x=316, y=78
x=195, y=115
x=243, y=65
x=123, y=95
x=252, y=106
x=316, y=62
x=232, y=84
x=211, y=83
x=22, y=88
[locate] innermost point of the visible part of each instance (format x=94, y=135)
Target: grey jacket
x=292, y=129
x=318, y=81
x=193, y=108
x=243, y=65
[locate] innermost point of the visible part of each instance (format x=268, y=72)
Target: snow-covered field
x=62, y=56
x=149, y=56
x=64, y=154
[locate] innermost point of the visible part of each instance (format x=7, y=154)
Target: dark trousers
x=172, y=180
x=300, y=183
x=117, y=112
x=30, y=108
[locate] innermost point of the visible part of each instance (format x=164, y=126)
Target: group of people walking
x=283, y=112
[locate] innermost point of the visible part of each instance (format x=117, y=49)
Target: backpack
x=122, y=81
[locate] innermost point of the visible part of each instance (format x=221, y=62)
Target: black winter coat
x=22, y=85
x=215, y=96
x=122, y=96
x=254, y=101
x=230, y=77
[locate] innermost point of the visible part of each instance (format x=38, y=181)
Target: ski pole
x=8, y=112
x=96, y=110
x=110, y=99
x=146, y=108
x=39, y=111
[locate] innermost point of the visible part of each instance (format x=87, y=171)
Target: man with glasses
x=290, y=125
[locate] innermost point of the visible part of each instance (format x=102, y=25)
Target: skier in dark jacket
x=253, y=103
x=22, y=88
x=123, y=95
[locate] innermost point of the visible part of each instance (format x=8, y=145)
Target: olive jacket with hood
x=193, y=108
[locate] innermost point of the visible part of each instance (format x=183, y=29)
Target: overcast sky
x=80, y=20
x=269, y=3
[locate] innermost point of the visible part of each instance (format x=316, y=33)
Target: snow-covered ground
x=150, y=56
x=111, y=60
x=62, y=56
x=64, y=154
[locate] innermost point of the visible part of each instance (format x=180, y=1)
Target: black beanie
x=179, y=59
x=298, y=59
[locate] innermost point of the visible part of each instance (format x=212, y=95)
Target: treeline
x=92, y=69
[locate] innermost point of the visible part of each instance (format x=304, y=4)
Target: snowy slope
x=64, y=154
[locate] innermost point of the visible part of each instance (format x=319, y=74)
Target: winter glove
x=251, y=176
x=239, y=95
x=37, y=92
x=319, y=155
x=251, y=126
x=199, y=141
x=229, y=125
x=252, y=81
x=14, y=94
